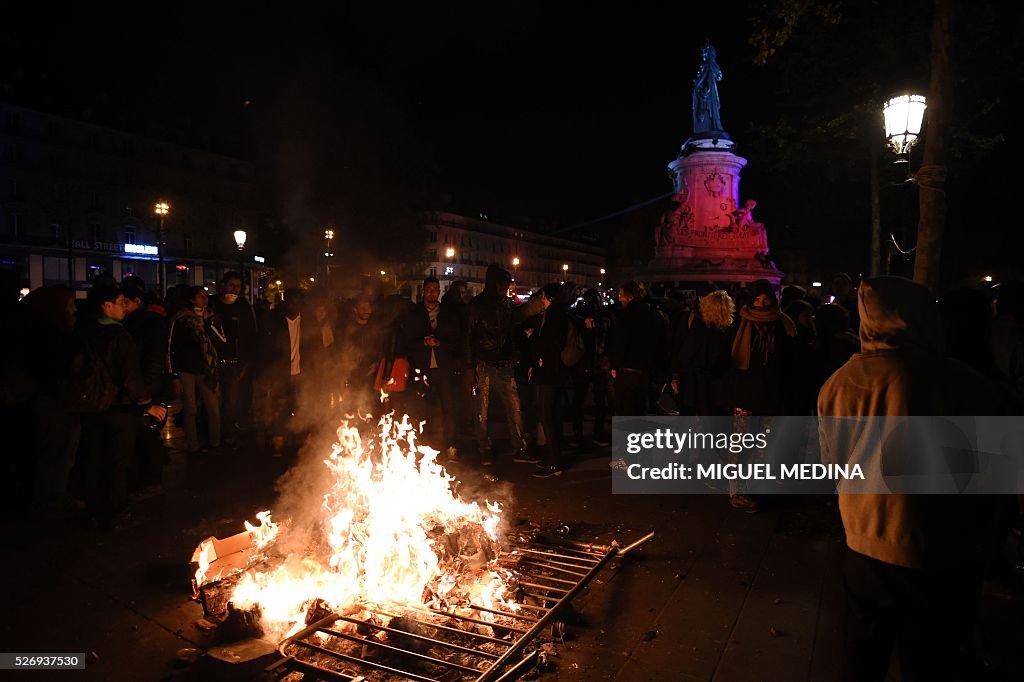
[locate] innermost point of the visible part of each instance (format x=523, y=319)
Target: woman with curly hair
x=700, y=375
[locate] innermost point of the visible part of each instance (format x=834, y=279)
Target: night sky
x=546, y=116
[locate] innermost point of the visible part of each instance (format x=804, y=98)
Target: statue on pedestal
x=706, y=117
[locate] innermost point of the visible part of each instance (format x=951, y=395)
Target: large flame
x=393, y=532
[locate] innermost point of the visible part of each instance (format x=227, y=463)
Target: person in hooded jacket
x=911, y=564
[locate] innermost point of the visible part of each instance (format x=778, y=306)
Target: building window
x=94, y=231
x=433, y=237
x=188, y=243
x=432, y=254
x=55, y=230
x=15, y=189
x=94, y=200
x=433, y=271
x=16, y=225
x=129, y=234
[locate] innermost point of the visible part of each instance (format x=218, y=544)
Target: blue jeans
x=196, y=386
x=502, y=381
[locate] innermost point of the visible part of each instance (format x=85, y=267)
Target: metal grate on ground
x=427, y=645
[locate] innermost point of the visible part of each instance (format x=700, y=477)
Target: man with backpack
x=108, y=389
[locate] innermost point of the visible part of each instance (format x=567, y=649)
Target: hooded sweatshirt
x=900, y=371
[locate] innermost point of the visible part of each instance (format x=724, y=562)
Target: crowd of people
x=99, y=369
x=87, y=386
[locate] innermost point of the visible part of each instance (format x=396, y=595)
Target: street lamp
x=903, y=117
x=449, y=269
x=328, y=254
x=240, y=241
x=161, y=209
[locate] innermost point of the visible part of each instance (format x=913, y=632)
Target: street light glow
x=328, y=234
x=277, y=282
x=240, y=238
x=382, y=273
x=450, y=253
x=515, y=261
x=565, y=267
x=162, y=208
x=602, y=271
x=987, y=278
x=903, y=117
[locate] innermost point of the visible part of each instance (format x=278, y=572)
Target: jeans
x=586, y=379
x=58, y=435
x=108, y=441
x=502, y=381
x=631, y=387
x=915, y=611
x=546, y=402
x=196, y=386
x=445, y=385
x=232, y=387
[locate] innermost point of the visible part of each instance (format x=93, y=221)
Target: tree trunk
x=932, y=174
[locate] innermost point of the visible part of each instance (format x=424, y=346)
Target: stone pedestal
x=708, y=235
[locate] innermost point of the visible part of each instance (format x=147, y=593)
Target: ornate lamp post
x=903, y=115
x=161, y=209
x=328, y=253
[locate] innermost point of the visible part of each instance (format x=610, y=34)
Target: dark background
x=548, y=117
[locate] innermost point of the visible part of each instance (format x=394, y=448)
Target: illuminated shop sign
x=141, y=249
x=259, y=259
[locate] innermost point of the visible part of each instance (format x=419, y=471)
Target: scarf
x=755, y=333
x=195, y=325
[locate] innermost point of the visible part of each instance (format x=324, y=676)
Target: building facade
x=460, y=248
x=78, y=199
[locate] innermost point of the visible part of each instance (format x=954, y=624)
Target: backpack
x=90, y=388
x=572, y=351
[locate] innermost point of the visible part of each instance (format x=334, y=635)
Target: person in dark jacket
x=702, y=370
x=834, y=343
x=51, y=347
x=761, y=355
x=235, y=352
x=192, y=359
x=591, y=373
x=362, y=348
x=491, y=350
x=546, y=374
x=108, y=437
x=432, y=341
x=146, y=321
x=630, y=352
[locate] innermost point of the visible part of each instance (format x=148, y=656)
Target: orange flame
x=387, y=508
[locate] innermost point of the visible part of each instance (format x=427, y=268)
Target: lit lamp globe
x=240, y=239
x=904, y=115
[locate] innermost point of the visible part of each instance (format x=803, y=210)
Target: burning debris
x=401, y=577
x=392, y=531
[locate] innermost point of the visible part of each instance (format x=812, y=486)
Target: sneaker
x=452, y=454
x=602, y=441
x=743, y=503
x=524, y=457
x=546, y=472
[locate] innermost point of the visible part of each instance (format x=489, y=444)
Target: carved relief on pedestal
x=715, y=183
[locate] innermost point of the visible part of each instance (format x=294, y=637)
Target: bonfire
x=392, y=532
